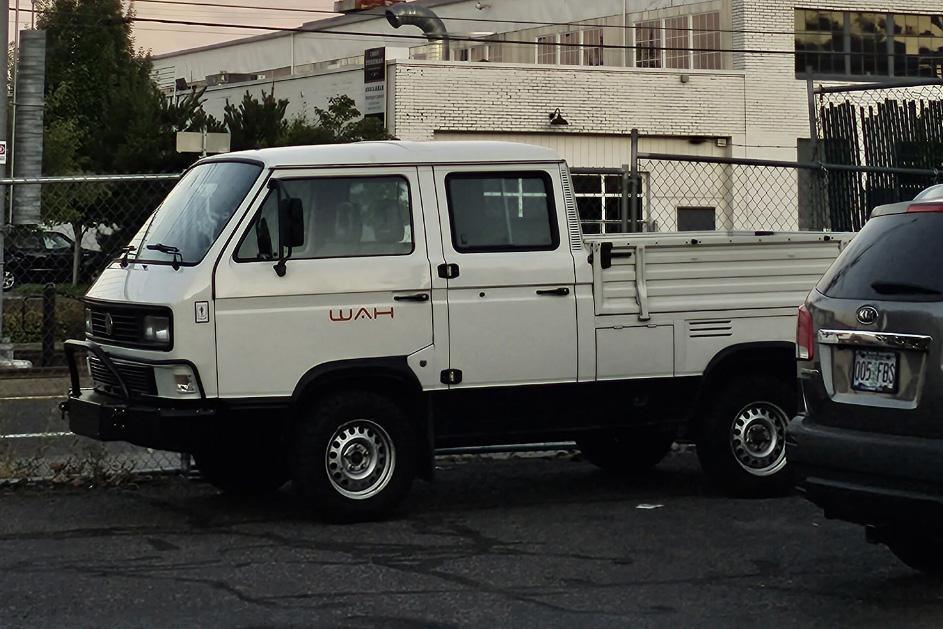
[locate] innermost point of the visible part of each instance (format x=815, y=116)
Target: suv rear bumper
x=867, y=478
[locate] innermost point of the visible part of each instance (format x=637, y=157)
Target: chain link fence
x=47, y=269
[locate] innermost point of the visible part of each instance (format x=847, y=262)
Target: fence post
x=633, y=179
x=49, y=324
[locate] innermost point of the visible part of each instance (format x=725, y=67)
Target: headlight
x=88, y=321
x=157, y=329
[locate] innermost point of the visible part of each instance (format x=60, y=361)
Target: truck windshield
x=192, y=216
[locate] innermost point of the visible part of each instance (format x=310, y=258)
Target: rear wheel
x=919, y=550
x=9, y=280
x=354, y=456
x=741, y=440
x=625, y=451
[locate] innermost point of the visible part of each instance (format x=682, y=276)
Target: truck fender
x=390, y=375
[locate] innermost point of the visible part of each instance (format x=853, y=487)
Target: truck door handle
x=558, y=292
x=416, y=297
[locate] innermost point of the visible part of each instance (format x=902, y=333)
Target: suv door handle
x=557, y=292
x=416, y=297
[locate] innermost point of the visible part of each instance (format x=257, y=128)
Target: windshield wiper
x=902, y=288
x=177, y=256
x=124, y=258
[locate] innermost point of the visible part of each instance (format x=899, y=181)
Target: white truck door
x=358, y=288
x=512, y=309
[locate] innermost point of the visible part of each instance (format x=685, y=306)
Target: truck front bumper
x=106, y=418
x=159, y=423
x=867, y=478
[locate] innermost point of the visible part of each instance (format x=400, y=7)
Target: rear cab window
x=894, y=258
x=507, y=211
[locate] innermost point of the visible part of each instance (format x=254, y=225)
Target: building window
x=854, y=43
x=547, y=49
x=677, y=49
x=697, y=219
x=570, y=49
x=648, y=44
x=690, y=41
x=593, y=47
x=705, y=33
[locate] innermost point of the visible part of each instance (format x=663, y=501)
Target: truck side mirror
x=291, y=224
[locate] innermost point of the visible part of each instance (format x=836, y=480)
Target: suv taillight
x=805, y=337
x=926, y=207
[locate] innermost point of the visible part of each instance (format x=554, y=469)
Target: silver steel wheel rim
x=360, y=459
x=8, y=280
x=758, y=438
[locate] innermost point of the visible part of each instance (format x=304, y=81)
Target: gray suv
x=867, y=445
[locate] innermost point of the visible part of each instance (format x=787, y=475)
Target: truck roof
x=397, y=152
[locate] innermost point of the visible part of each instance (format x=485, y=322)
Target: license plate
x=875, y=372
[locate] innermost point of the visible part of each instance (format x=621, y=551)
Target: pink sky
x=160, y=38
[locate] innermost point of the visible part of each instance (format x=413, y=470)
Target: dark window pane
x=696, y=219
x=895, y=249
x=501, y=212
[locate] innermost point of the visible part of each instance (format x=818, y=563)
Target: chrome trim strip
x=915, y=342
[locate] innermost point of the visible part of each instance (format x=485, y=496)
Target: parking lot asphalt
x=539, y=542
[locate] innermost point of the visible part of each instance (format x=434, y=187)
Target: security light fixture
x=557, y=119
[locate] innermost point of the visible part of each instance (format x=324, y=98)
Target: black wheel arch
x=773, y=357
x=390, y=376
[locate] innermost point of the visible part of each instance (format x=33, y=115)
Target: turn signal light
x=805, y=341
x=926, y=207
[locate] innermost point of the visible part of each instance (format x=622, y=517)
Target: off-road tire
x=9, y=280
x=243, y=470
x=739, y=403
x=625, y=452
x=324, y=445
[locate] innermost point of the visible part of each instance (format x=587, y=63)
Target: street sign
x=374, y=82
x=202, y=142
x=3, y=152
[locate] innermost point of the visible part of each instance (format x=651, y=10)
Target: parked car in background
x=868, y=446
x=37, y=256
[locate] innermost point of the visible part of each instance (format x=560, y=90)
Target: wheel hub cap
x=758, y=440
x=7, y=280
x=360, y=459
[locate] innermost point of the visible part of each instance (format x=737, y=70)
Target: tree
x=255, y=124
x=103, y=111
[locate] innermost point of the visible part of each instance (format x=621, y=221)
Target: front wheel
x=741, y=440
x=354, y=456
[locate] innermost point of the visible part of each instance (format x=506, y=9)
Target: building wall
x=304, y=93
x=431, y=97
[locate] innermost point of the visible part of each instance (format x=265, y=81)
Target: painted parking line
x=35, y=435
x=32, y=397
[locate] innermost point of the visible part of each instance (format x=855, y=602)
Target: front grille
x=125, y=326
x=138, y=378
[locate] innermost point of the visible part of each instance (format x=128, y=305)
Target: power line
x=465, y=19
x=477, y=40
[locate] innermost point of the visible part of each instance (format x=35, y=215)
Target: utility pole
x=5, y=38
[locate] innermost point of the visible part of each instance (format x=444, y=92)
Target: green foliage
x=255, y=124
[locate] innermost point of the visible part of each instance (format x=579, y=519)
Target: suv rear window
x=894, y=258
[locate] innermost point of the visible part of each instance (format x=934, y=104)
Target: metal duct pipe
x=422, y=18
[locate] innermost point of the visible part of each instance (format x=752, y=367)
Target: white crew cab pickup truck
x=332, y=315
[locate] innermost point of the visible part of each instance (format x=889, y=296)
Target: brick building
x=715, y=77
